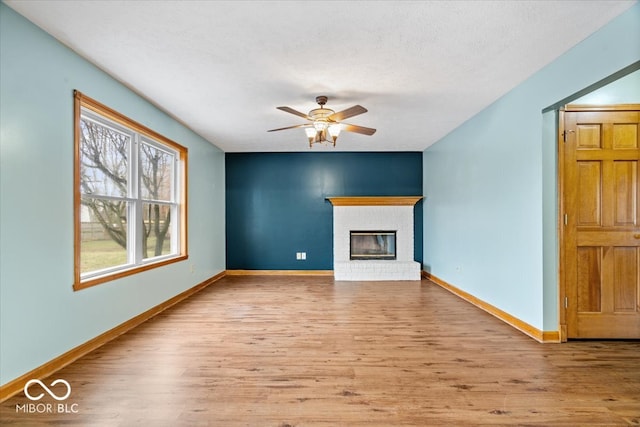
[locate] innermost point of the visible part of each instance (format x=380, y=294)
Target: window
x=130, y=196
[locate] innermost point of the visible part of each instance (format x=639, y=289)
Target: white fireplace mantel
x=374, y=213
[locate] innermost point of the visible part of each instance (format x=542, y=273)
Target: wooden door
x=600, y=194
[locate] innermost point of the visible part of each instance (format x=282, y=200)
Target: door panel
x=625, y=136
x=588, y=136
x=625, y=175
x=625, y=289
x=589, y=276
x=589, y=193
x=601, y=238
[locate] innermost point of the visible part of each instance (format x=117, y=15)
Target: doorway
x=599, y=183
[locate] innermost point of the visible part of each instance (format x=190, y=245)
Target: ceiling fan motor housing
x=321, y=113
x=321, y=100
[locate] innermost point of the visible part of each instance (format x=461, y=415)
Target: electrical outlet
x=298, y=256
x=303, y=255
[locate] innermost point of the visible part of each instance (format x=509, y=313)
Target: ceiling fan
x=325, y=121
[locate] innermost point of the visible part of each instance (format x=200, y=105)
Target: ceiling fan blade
x=349, y=112
x=292, y=111
x=289, y=127
x=358, y=129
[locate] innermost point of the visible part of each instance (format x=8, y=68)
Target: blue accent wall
x=275, y=202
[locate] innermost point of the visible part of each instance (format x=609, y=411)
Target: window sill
x=87, y=283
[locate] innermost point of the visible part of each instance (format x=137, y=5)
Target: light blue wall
x=489, y=213
x=41, y=316
x=625, y=90
x=550, y=220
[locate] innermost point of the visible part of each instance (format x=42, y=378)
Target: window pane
x=156, y=173
x=103, y=225
x=103, y=162
x=157, y=230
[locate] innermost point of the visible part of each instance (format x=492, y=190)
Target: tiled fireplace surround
x=374, y=213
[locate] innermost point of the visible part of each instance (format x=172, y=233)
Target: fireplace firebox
x=372, y=245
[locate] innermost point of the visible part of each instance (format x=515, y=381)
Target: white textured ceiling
x=421, y=68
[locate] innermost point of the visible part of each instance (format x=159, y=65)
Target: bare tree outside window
x=156, y=167
x=104, y=172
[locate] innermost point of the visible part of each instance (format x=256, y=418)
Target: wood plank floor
x=308, y=351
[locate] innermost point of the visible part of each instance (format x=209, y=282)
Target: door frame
x=562, y=312
x=562, y=287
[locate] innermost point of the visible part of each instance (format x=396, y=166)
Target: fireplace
x=372, y=245
x=373, y=238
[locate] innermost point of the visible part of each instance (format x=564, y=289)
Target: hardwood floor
x=300, y=351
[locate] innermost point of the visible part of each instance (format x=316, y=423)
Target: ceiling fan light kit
x=326, y=123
